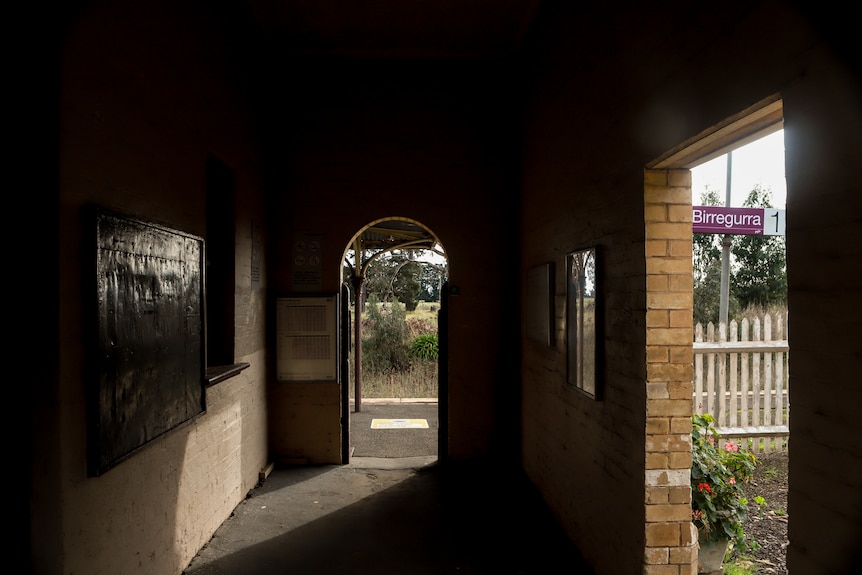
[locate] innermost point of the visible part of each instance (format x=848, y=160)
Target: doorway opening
x=394, y=278
x=740, y=347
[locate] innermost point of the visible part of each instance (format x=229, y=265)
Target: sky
x=761, y=161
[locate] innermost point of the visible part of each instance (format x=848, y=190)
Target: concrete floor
x=407, y=515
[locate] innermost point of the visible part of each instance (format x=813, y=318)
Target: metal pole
x=725, y=252
x=358, y=282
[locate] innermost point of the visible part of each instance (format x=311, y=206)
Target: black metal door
x=345, y=373
x=443, y=375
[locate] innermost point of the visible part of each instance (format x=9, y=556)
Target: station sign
x=738, y=221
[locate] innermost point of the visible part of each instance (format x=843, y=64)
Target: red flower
x=704, y=487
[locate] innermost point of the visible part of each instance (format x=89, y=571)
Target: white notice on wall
x=307, y=338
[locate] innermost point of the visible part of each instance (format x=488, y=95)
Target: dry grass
x=418, y=381
x=426, y=311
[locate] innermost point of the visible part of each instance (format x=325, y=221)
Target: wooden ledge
x=220, y=373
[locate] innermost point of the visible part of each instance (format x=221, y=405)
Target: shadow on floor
x=393, y=510
x=435, y=519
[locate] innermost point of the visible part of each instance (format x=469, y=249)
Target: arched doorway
x=394, y=273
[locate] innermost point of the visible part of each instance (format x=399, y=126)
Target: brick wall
x=671, y=540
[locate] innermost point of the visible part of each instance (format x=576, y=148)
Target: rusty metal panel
x=148, y=362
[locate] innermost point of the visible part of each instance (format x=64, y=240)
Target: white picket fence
x=741, y=377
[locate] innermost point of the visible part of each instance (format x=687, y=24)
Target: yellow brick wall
x=671, y=543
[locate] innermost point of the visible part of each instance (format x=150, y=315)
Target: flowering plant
x=718, y=470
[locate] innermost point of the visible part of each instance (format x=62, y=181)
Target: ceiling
x=442, y=29
x=395, y=28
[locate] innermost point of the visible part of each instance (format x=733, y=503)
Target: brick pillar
x=671, y=540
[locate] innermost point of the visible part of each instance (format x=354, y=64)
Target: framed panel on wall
x=584, y=321
x=307, y=337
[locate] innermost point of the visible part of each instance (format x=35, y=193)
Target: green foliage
x=433, y=277
x=384, y=337
x=741, y=568
x=760, y=278
x=760, y=270
x=761, y=502
x=718, y=472
x=707, y=297
x=706, y=264
x=398, y=275
x=425, y=346
x=706, y=248
x=419, y=377
x=406, y=286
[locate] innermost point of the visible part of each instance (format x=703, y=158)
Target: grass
x=425, y=310
x=740, y=567
x=420, y=380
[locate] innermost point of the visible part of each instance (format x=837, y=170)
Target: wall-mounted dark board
x=148, y=373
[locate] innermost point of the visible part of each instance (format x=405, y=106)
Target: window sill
x=220, y=373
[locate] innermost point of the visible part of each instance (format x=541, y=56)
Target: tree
x=433, y=276
x=760, y=262
x=384, y=337
x=707, y=296
x=706, y=266
x=400, y=274
x=405, y=286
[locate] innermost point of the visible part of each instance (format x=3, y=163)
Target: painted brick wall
x=140, y=112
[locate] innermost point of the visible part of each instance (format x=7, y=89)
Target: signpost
x=735, y=221
x=738, y=221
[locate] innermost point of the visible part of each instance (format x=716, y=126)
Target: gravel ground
x=768, y=528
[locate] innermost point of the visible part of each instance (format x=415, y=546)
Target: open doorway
x=741, y=348
x=394, y=275
x=739, y=366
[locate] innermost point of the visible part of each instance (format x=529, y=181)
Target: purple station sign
x=737, y=221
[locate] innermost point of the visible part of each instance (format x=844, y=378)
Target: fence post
x=698, y=372
x=710, y=371
x=767, y=380
x=734, y=387
x=779, y=375
x=745, y=374
x=755, y=385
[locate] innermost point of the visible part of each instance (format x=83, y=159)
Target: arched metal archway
x=373, y=241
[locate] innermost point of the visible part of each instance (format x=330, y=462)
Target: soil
x=768, y=526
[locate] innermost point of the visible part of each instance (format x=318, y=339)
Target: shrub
x=718, y=470
x=384, y=337
x=425, y=346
